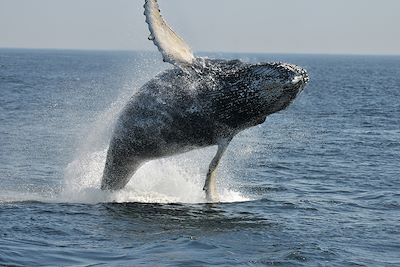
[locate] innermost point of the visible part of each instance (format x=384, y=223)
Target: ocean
x=316, y=185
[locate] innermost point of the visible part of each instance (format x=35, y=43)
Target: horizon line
x=203, y=52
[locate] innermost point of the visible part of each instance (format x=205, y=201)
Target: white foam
x=17, y=196
x=177, y=179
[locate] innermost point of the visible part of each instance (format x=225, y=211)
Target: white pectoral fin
x=172, y=47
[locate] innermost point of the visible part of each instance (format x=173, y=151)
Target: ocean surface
x=315, y=185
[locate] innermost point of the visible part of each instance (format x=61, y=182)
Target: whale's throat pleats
x=172, y=47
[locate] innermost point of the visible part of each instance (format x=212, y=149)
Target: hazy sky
x=268, y=26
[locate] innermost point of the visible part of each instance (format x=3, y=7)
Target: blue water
x=315, y=185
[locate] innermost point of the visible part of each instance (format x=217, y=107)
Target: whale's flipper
x=172, y=47
x=210, y=186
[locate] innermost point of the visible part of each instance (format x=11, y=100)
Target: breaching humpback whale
x=200, y=102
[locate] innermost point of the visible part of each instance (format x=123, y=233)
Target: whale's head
x=258, y=90
x=277, y=84
x=251, y=92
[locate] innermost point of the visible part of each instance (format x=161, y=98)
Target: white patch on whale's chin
x=178, y=179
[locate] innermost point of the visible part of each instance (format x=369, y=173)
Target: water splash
x=177, y=179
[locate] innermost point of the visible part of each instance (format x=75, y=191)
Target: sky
x=259, y=26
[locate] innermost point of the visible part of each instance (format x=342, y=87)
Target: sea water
x=315, y=185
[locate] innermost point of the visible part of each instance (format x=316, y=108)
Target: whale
x=198, y=102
